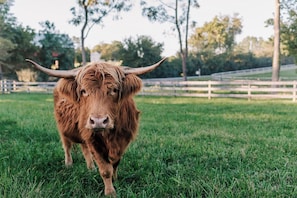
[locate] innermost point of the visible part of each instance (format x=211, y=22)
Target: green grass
x=286, y=74
x=186, y=147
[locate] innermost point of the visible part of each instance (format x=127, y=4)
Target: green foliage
x=109, y=51
x=186, y=147
x=55, y=46
x=24, y=47
x=15, y=42
x=141, y=52
x=258, y=46
x=5, y=47
x=213, y=63
x=217, y=35
x=137, y=52
x=289, y=27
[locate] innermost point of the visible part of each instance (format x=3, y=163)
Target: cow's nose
x=98, y=122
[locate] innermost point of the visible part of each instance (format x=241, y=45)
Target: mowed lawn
x=186, y=147
x=286, y=74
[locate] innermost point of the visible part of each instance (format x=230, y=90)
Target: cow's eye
x=83, y=92
x=113, y=91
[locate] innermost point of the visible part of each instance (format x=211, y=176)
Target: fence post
x=209, y=90
x=249, y=91
x=294, y=91
x=14, y=86
x=174, y=89
x=4, y=86
x=10, y=85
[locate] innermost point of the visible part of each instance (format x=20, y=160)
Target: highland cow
x=94, y=107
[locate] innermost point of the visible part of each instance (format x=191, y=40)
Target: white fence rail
x=207, y=89
x=9, y=86
x=223, y=89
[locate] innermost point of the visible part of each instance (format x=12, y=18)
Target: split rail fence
x=206, y=89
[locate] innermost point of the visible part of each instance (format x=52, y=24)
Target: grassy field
x=286, y=74
x=186, y=147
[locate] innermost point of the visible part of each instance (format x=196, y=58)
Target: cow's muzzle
x=99, y=123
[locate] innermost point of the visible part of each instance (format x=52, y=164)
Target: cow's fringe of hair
x=102, y=69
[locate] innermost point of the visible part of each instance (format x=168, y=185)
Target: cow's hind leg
x=88, y=156
x=67, y=145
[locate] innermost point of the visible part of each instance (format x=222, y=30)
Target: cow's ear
x=68, y=88
x=131, y=85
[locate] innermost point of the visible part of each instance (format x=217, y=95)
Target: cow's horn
x=143, y=70
x=55, y=73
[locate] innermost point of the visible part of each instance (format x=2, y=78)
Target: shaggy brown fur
x=99, y=90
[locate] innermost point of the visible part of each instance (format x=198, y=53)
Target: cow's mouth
x=98, y=130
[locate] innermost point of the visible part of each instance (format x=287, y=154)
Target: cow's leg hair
x=115, y=170
x=88, y=156
x=67, y=145
x=105, y=170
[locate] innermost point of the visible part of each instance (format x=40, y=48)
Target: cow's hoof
x=91, y=167
x=68, y=164
x=110, y=192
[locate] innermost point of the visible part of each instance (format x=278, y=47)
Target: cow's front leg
x=88, y=156
x=115, y=169
x=105, y=170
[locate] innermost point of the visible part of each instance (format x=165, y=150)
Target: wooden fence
x=208, y=89
x=9, y=86
x=223, y=89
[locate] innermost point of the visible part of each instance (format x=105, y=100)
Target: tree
x=258, y=46
x=5, y=47
x=5, y=44
x=22, y=38
x=289, y=27
x=276, y=51
x=218, y=35
x=91, y=12
x=178, y=14
x=57, y=50
x=140, y=51
x=15, y=42
x=109, y=51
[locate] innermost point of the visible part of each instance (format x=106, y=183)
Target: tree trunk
x=276, y=52
x=1, y=74
x=184, y=65
x=83, y=51
x=183, y=54
x=82, y=36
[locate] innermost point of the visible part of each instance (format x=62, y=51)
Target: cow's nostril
x=106, y=120
x=92, y=121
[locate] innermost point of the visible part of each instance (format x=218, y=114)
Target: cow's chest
x=110, y=146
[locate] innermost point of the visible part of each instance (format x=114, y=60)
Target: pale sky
x=254, y=13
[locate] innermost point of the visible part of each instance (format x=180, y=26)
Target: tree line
x=211, y=48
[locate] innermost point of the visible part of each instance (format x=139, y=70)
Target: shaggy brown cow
x=94, y=107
